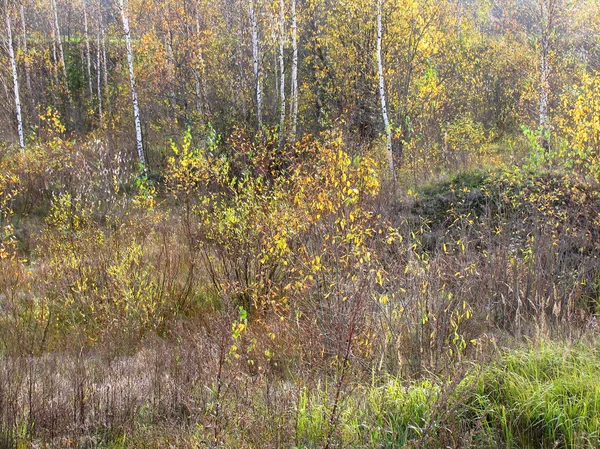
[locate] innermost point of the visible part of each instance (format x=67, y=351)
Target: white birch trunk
x=384, y=113
x=282, y=71
x=13, y=64
x=544, y=75
x=104, y=60
x=294, y=80
x=87, y=51
x=170, y=64
x=54, y=56
x=58, y=40
x=546, y=16
x=134, y=99
x=98, y=70
x=256, y=64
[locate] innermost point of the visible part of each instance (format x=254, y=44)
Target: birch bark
x=104, y=59
x=134, y=98
x=282, y=72
x=59, y=45
x=87, y=51
x=256, y=64
x=13, y=64
x=55, y=61
x=170, y=64
x=547, y=11
x=384, y=112
x=98, y=68
x=294, y=80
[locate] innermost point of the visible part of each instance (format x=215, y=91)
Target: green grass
x=470, y=179
x=386, y=416
x=545, y=396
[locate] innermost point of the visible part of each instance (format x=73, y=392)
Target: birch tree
x=256, y=63
x=384, y=112
x=294, y=75
x=59, y=46
x=281, y=70
x=55, y=62
x=134, y=100
x=87, y=51
x=13, y=64
x=548, y=10
x=98, y=69
x=199, y=69
x=170, y=62
x=103, y=42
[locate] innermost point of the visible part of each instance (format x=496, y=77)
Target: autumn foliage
x=299, y=223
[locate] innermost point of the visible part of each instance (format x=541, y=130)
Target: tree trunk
x=104, y=58
x=13, y=64
x=87, y=51
x=384, y=112
x=55, y=64
x=282, y=72
x=294, y=80
x=170, y=65
x=547, y=11
x=59, y=45
x=256, y=64
x=199, y=72
x=98, y=69
x=134, y=99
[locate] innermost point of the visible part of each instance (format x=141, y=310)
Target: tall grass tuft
x=545, y=396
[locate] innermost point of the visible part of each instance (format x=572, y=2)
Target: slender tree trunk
x=104, y=57
x=547, y=11
x=294, y=80
x=134, y=99
x=239, y=85
x=106, y=104
x=282, y=72
x=55, y=60
x=256, y=64
x=384, y=112
x=544, y=88
x=200, y=72
x=275, y=37
x=59, y=45
x=87, y=51
x=98, y=70
x=13, y=64
x=170, y=64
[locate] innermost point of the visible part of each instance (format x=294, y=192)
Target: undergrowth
x=251, y=295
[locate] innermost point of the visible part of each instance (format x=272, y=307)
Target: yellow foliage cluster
x=303, y=234
x=581, y=126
